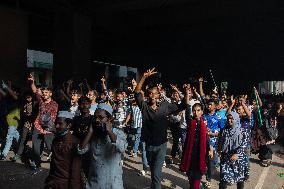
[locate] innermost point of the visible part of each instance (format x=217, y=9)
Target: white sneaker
x=49, y=157
x=142, y=173
x=133, y=155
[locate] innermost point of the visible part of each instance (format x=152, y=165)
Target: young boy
x=28, y=115
x=80, y=127
x=75, y=96
x=65, y=166
x=13, y=119
x=214, y=125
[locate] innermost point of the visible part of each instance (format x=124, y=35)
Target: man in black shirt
x=154, y=130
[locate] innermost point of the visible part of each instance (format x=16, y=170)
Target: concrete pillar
x=13, y=45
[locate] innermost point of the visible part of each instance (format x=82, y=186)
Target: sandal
x=207, y=184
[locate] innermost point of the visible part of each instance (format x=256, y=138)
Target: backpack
x=46, y=122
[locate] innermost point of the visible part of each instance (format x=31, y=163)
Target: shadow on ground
x=19, y=176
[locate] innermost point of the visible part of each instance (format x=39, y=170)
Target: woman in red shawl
x=197, y=147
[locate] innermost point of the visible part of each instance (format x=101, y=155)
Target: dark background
x=240, y=41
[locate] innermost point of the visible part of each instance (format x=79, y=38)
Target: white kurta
x=105, y=166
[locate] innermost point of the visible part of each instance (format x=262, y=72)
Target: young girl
x=197, y=147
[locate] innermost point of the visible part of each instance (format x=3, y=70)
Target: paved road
x=18, y=176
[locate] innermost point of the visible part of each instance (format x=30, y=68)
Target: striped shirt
x=137, y=117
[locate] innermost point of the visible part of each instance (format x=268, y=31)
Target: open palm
x=150, y=72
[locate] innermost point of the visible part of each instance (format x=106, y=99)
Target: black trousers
x=175, y=130
x=3, y=132
x=223, y=185
x=209, y=170
x=38, y=139
x=23, y=140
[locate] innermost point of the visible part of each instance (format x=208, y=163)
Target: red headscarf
x=186, y=161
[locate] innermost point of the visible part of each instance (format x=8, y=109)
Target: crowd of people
x=86, y=133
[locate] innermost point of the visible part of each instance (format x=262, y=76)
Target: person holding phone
x=106, y=145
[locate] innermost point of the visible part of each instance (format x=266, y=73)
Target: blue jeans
x=183, y=133
x=137, y=142
x=12, y=133
x=144, y=157
x=156, y=157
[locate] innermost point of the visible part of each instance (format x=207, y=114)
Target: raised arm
x=66, y=97
x=177, y=90
x=2, y=92
x=68, y=88
x=196, y=93
x=201, y=86
x=147, y=74
x=243, y=103
x=163, y=93
x=233, y=101
x=87, y=84
x=258, y=97
x=103, y=83
x=134, y=84
x=32, y=80
x=9, y=90
x=187, y=102
x=87, y=138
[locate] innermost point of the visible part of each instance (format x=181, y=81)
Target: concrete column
x=13, y=45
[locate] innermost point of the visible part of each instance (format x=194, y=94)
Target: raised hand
x=149, y=72
x=4, y=85
x=233, y=101
x=201, y=79
x=254, y=88
x=186, y=86
x=69, y=82
x=103, y=79
x=174, y=87
x=129, y=89
x=215, y=90
x=160, y=86
x=31, y=78
x=133, y=82
x=194, y=89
